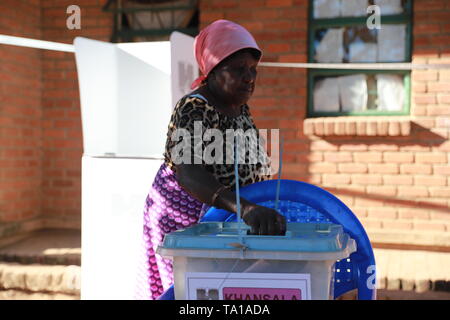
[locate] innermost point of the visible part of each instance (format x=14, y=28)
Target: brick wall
x=40, y=124
x=20, y=118
x=399, y=187
x=62, y=134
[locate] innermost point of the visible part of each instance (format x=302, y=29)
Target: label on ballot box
x=247, y=286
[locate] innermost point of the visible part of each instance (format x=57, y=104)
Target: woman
x=227, y=56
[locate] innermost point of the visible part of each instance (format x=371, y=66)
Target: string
x=238, y=198
x=280, y=162
x=238, y=204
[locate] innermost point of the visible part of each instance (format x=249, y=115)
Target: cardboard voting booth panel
x=127, y=94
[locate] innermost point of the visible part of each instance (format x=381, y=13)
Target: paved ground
x=47, y=266
x=44, y=266
x=46, y=247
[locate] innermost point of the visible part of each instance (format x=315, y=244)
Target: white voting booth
x=127, y=93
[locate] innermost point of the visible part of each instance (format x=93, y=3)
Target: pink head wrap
x=216, y=42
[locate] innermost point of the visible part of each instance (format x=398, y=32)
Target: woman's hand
x=263, y=220
x=203, y=186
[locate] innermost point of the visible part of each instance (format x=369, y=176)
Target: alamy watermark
x=74, y=20
x=371, y=279
x=210, y=147
x=374, y=21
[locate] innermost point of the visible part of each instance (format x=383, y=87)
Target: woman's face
x=233, y=80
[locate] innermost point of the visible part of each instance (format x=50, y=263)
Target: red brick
x=429, y=5
x=383, y=168
x=427, y=29
x=414, y=213
x=382, y=190
x=419, y=87
x=431, y=157
x=441, y=133
x=398, y=157
x=371, y=224
x=443, y=98
x=278, y=3
x=340, y=128
x=397, y=225
x=253, y=26
x=382, y=213
x=422, y=41
x=395, y=129
x=444, y=74
x=308, y=128
x=438, y=110
x=322, y=168
x=263, y=14
x=280, y=25
x=383, y=147
x=368, y=202
x=306, y=157
x=294, y=58
x=440, y=216
x=322, y=145
x=423, y=226
x=315, y=179
x=416, y=168
x=352, y=168
x=430, y=180
x=419, y=110
x=340, y=156
x=360, y=212
x=294, y=167
x=442, y=169
x=405, y=180
x=333, y=179
x=425, y=75
x=295, y=146
x=350, y=128
x=438, y=86
x=249, y=4
x=367, y=157
x=366, y=179
x=412, y=191
x=440, y=192
x=319, y=128
x=425, y=98
x=413, y=147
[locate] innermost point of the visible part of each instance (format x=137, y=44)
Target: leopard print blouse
x=192, y=113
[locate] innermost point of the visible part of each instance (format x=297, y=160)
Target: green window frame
x=316, y=24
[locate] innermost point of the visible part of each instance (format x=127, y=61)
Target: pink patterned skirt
x=168, y=208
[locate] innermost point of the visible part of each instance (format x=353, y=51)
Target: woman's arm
x=203, y=186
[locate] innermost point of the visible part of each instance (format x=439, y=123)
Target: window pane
x=390, y=92
x=391, y=43
x=354, y=8
x=358, y=92
x=389, y=7
x=325, y=9
x=328, y=45
x=360, y=44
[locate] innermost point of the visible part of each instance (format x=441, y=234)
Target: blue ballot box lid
x=303, y=241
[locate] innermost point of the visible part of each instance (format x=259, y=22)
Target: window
x=152, y=20
x=339, y=33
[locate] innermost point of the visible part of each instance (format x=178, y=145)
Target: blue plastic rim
x=304, y=202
